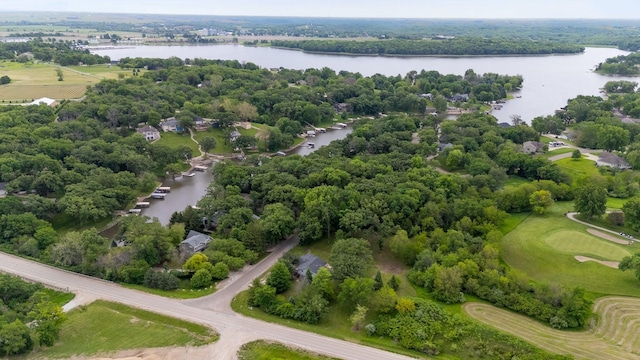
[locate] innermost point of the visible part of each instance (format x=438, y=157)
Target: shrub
x=220, y=271
x=201, y=279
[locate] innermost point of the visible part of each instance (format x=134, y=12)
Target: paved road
x=213, y=310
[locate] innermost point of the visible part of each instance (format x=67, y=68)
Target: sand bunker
x=606, y=236
x=612, y=264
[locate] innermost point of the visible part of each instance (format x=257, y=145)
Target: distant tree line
x=61, y=52
x=457, y=46
x=621, y=65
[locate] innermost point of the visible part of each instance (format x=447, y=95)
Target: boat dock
x=143, y=204
x=135, y=211
x=159, y=196
x=163, y=189
x=189, y=174
x=200, y=168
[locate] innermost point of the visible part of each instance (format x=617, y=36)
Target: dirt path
x=606, y=236
x=611, y=264
x=614, y=337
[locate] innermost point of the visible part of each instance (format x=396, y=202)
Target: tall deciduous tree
x=350, y=258
x=631, y=263
x=591, y=200
x=279, y=277
x=541, y=200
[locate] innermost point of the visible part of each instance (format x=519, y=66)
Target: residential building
x=171, y=124
x=309, y=262
x=532, y=147
x=612, y=160
x=149, y=132
x=194, y=242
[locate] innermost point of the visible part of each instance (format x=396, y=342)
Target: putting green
x=544, y=247
x=579, y=243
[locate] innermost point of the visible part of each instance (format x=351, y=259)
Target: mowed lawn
x=544, y=248
x=263, y=350
x=107, y=327
x=174, y=140
x=578, y=168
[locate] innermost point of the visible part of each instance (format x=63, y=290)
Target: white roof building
x=45, y=100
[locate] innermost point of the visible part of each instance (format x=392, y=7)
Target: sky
x=585, y=9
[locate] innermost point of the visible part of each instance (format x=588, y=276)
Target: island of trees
x=457, y=46
x=627, y=65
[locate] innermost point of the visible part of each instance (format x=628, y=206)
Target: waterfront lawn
x=63, y=223
x=535, y=247
x=107, y=327
x=174, y=140
x=266, y=350
x=223, y=145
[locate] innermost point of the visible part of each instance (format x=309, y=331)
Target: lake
x=549, y=81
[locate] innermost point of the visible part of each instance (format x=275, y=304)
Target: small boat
x=311, y=145
x=160, y=196
x=163, y=189
x=189, y=174
x=200, y=168
x=281, y=153
x=135, y=211
x=143, y=204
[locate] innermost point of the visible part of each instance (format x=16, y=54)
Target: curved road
x=213, y=310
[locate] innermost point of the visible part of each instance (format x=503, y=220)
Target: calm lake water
x=549, y=81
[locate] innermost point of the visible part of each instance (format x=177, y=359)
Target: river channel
x=549, y=81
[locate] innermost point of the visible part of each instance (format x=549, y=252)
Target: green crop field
x=544, y=248
x=263, y=350
x=98, y=328
x=613, y=338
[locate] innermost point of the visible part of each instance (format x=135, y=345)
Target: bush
x=370, y=329
x=201, y=279
x=279, y=278
x=161, y=280
x=220, y=271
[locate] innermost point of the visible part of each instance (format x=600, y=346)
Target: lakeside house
x=612, y=160
x=234, y=135
x=309, y=262
x=171, y=125
x=532, y=147
x=194, y=242
x=149, y=132
x=444, y=146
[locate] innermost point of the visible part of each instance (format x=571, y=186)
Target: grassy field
x=98, y=328
x=544, y=248
x=223, y=146
x=183, y=293
x=263, y=350
x=555, y=152
x=63, y=223
x=516, y=181
x=31, y=81
x=613, y=338
x=578, y=168
x=616, y=203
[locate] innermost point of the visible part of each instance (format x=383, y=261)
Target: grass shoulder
x=185, y=292
x=266, y=350
x=103, y=327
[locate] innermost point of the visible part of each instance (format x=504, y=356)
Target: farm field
x=544, y=248
x=33, y=81
x=262, y=350
x=97, y=328
x=613, y=338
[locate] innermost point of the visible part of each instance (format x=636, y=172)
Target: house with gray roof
x=309, y=262
x=612, y=160
x=149, y=132
x=194, y=242
x=171, y=124
x=532, y=147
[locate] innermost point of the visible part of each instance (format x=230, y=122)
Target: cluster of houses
x=172, y=124
x=604, y=159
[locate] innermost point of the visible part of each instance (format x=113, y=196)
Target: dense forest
x=627, y=65
x=457, y=46
x=28, y=317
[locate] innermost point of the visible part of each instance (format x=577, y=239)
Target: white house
x=532, y=147
x=170, y=124
x=45, y=100
x=149, y=132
